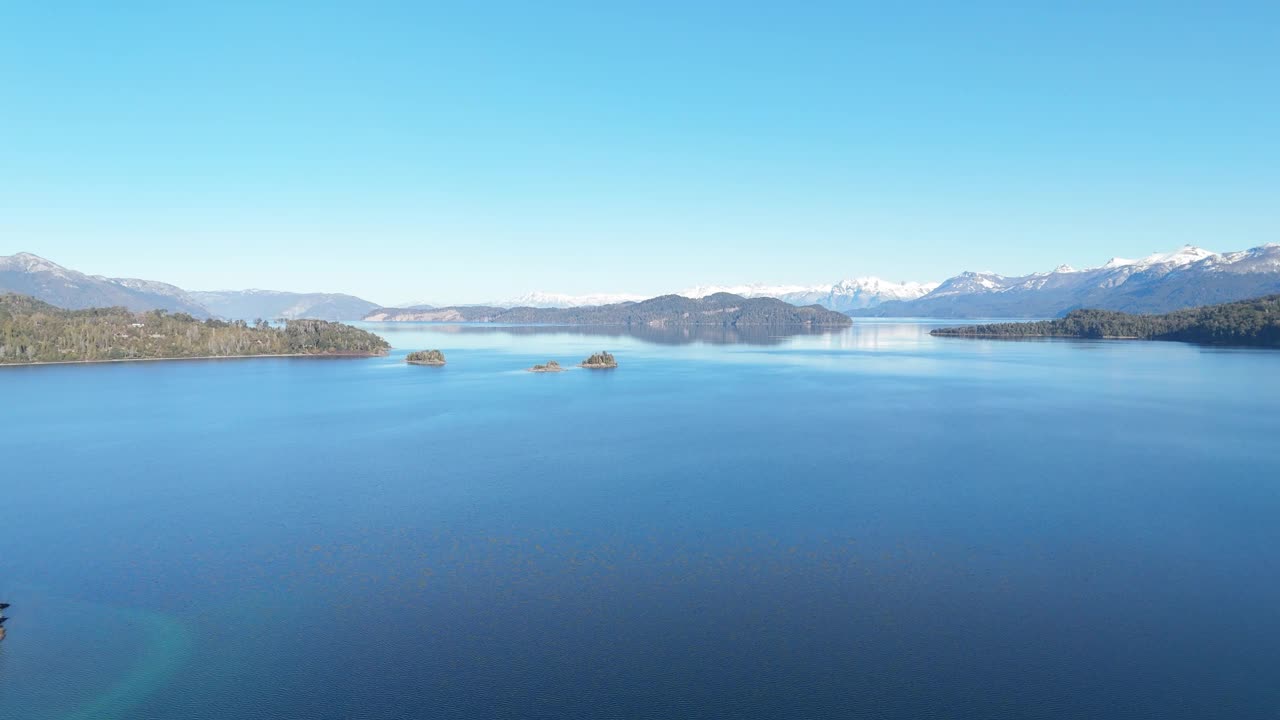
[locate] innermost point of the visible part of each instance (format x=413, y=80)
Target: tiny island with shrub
x=551, y=367
x=425, y=357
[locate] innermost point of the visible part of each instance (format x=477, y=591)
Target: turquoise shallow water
x=869, y=523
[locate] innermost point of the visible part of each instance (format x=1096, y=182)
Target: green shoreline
x=195, y=357
x=1244, y=323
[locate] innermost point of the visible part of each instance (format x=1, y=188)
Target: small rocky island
x=600, y=361
x=551, y=366
x=425, y=357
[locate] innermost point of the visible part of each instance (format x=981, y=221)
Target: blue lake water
x=869, y=523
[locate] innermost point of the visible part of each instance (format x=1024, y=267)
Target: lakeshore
x=198, y=357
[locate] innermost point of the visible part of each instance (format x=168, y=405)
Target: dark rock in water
x=4, y=606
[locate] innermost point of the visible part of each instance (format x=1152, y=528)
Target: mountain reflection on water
x=661, y=335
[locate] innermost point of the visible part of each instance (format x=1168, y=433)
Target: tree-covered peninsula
x=1248, y=322
x=32, y=331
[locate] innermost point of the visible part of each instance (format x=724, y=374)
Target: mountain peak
x=29, y=262
x=1184, y=255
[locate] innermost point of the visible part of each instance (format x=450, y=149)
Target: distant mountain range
x=1163, y=282
x=841, y=296
x=720, y=309
x=27, y=274
x=249, y=304
x=1254, y=322
x=563, y=300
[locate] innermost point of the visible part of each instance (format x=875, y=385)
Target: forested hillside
x=1248, y=322
x=34, y=331
x=720, y=309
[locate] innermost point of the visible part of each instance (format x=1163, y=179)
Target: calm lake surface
x=870, y=523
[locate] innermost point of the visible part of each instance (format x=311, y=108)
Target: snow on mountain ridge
x=153, y=287
x=751, y=290
x=1264, y=258
x=27, y=262
x=848, y=294
x=1184, y=255
x=845, y=294
x=540, y=299
x=1160, y=282
x=994, y=282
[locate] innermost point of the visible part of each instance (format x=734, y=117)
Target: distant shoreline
x=1244, y=323
x=199, y=357
x=999, y=336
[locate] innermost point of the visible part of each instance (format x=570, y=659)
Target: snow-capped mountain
x=1161, y=282
x=1184, y=255
x=25, y=262
x=28, y=274
x=150, y=287
x=1262, y=259
x=862, y=293
x=751, y=290
x=562, y=300
x=844, y=295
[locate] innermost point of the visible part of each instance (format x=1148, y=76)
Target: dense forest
x=34, y=331
x=1248, y=322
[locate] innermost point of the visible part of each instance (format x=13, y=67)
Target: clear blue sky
x=470, y=151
